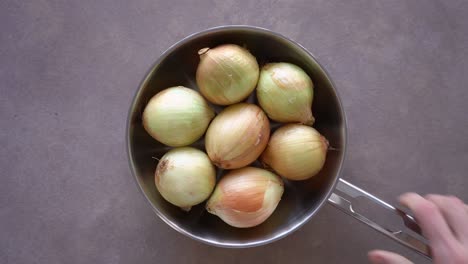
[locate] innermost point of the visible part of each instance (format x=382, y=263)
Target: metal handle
x=343, y=198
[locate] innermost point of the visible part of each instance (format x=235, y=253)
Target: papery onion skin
x=237, y=136
x=285, y=93
x=226, y=74
x=177, y=116
x=246, y=197
x=296, y=152
x=185, y=177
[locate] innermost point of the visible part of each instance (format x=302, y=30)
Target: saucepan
x=301, y=200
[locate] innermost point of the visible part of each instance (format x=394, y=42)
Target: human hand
x=443, y=221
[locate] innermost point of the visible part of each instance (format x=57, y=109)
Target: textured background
x=68, y=71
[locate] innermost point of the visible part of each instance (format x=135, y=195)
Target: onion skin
x=237, y=136
x=296, y=152
x=177, y=116
x=185, y=177
x=246, y=197
x=285, y=93
x=226, y=74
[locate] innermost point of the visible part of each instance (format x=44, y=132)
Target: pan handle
x=345, y=195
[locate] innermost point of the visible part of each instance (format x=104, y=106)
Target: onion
x=185, y=177
x=246, y=197
x=237, y=136
x=177, y=116
x=226, y=74
x=285, y=92
x=296, y=152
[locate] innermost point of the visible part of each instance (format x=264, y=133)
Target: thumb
x=385, y=257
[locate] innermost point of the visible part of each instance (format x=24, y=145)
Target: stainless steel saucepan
x=301, y=200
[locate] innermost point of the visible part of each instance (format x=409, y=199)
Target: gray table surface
x=68, y=71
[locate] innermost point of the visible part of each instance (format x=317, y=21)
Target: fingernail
x=377, y=259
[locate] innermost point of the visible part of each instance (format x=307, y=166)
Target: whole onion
x=237, y=136
x=285, y=92
x=177, y=116
x=185, y=177
x=227, y=74
x=246, y=197
x=296, y=152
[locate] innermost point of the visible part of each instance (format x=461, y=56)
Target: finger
x=385, y=257
x=454, y=211
x=430, y=219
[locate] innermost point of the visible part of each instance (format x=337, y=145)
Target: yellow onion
x=237, y=136
x=285, y=92
x=226, y=74
x=185, y=177
x=246, y=197
x=296, y=152
x=177, y=116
